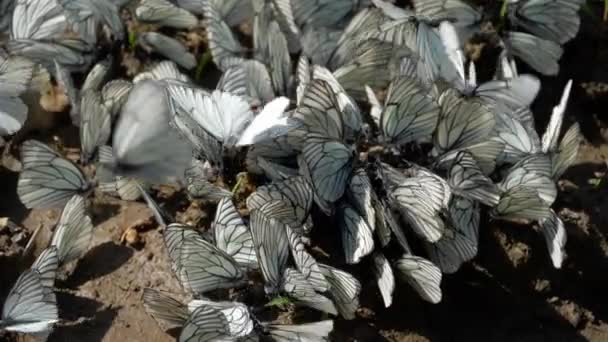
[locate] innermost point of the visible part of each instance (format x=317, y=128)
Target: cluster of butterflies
x=31, y=305
x=435, y=147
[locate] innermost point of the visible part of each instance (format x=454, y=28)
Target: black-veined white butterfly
x=557, y=21
x=357, y=235
x=422, y=275
x=46, y=265
x=305, y=262
x=165, y=13
x=74, y=232
x=233, y=236
x=271, y=245
x=30, y=307
x=47, y=180
x=200, y=266
x=144, y=145
x=384, y=277
x=344, y=290
x=15, y=76
x=168, y=47
x=295, y=285
x=460, y=239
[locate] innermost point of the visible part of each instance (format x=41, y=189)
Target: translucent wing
x=344, y=290
x=272, y=122
x=537, y=181
x=249, y=79
x=98, y=74
x=289, y=201
x=311, y=332
x=319, y=111
x=13, y=114
x=74, y=231
x=47, y=180
x=89, y=12
x=328, y=165
x=201, y=266
x=205, y=145
x=127, y=189
x=202, y=189
x=455, y=10
x=30, y=307
x=164, y=308
x=272, y=246
x=296, y=286
x=518, y=138
x=551, y=137
x=46, y=265
x=357, y=238
x=223, y=115
x=114, y=95
x=418, y=200
x=362, y=196
x=321, y=12
x=233, y=236
x=467, y=179
x=542, y=55
x=409, y=113
x=460, y=240
x=305, y=262
x=422, y=275
x=240, y=323
x=486, y=154
x=74, y=54
x=37, y=19
x=371, y=60
x=15, y=75
x=168, y=47
x=205, y=324
x=462, y=122
x=95, y=125
x=165, y=13
x=568, y=150
x=554, y=232
x=225, y=48
x=351, y=114
x=144, y=144
x=280, y=61
x=517, y=92
x=384, y=277
x=376, y=108
x=557, y=21
x=521, y=202
x=319, y=43
x=163, y=71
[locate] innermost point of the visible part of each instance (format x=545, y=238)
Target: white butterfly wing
x=74, y=232
x=357, y=236
x=30, y=307
x=554, y=232
x=384, y=278
x=46, y=265
x=305, y=262
x=95, y=125
x=164, y=308
x=409, y=113
x=233, y=236
x=47, y=180
x=144, y=143
x=422, y=275
x=344, y=290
